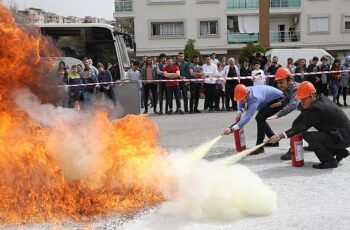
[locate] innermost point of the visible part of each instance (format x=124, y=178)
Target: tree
x=247, y=52
x=191, y=51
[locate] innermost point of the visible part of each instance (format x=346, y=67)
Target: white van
x=308, y=54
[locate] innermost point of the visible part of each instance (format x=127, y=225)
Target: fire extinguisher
x=296, y=150
x=239, y=140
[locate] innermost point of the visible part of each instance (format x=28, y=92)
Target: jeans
x=153, y=88
x=170, y=91
x=334, y=91
x=195, y=93
x=162, y=94
x=183, y=88
x=229, y=89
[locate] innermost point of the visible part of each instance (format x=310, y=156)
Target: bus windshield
x=98, y=41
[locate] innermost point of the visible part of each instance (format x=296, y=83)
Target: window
x=346, y=23
x=156, y=2
x=208, y=28
x=319, y=24
x=208, y=1
x=167, y=29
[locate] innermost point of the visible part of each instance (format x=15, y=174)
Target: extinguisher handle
x=233, y=125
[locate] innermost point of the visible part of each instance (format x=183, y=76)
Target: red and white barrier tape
x=198, y=79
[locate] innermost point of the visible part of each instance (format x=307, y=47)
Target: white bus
x=102, y=42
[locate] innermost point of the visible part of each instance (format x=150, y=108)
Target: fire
x=68, y=169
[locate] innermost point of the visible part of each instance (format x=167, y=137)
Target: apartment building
x=223, y=26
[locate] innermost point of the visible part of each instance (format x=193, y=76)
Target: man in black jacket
x=333, y=135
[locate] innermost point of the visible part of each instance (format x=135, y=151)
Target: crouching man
x=333, y=127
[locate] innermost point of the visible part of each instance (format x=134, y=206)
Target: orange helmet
x=304, y=90
x=282, y=73
x=241, y=91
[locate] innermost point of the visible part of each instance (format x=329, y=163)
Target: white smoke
x=213, y=191
x=72, y=140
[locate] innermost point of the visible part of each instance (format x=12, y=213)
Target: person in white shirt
x=134, y=74
x=259, y=77
x=214, y=59
x=210, y=71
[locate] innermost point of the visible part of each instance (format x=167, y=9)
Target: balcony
x=254, y=4
x=275, y=37
x=241, y=38
x=123, y=6
x=285, y=36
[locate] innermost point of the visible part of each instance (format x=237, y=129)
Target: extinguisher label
x=242, y=138
x=299, y=153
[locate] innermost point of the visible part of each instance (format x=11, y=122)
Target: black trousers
x=162, y=95
x=195, y=93
x=323, y=145
x=263, y=128
x=229, y=89
x=211, y=95
x=147, y=88
x=342, y=90
x=184, y=89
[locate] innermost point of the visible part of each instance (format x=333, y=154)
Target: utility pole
x=264, y=23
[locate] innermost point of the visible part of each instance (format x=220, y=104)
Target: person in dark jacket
x=246, y=71
x=315, y=79
x=333, y=127
x=108, y=88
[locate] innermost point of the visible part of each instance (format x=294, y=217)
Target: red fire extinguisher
x=296, y=150
x=239, y=140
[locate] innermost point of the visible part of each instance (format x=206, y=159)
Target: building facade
x=223, y=26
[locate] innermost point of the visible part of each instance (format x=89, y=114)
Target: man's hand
x=272, y=117
x=238, y=116
x=277, y=104
x=227, y=131
x=274, y=139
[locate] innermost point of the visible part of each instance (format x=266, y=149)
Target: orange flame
x=66, y=171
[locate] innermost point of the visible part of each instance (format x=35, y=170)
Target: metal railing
x=241, y=38
x=254, y=4
x=275, y=37
x=285, y=36
x=123, y=6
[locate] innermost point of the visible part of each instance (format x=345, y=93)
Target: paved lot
x=307, y=198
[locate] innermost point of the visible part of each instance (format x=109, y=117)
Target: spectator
x=231, y=71
x=79, y=68
x=223, y=61
x=324, y=76
x=134, y=74
x=171, y=71
x=210, y=71
x=63, y=96
x=108, y=88
x=300, y=69
x=183, y=66
x=74, y=91
x=314, y=78
x=220, y=85
x=272, y=71
x=260, y=57
x=290, y=66
x=88, y=90
x=148, y=73
x=214, y=59
x=335, y=77
x=195, y=72
x=344, y=81
x=246, y=71
x=258, y=75
x=93, y=68
x=162, y=93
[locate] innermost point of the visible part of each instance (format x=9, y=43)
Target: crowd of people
x=218, y=91
x=84, y=83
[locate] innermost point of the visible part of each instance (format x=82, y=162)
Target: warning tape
x=121, y=82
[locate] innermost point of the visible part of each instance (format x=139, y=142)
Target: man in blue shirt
x=264, y=98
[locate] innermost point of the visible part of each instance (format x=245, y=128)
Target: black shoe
x=272, y=145
x=155, y=111
x=308, y=148
x=160, y=113
x=197, y=111
x=170, y=112
x=179, y=111
x=211, y=111
x=341, y=155
x=345, y=104
x=326, y=165
x=191, y=112
x=286, y=156
x=258, y=151
x=338, y=104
